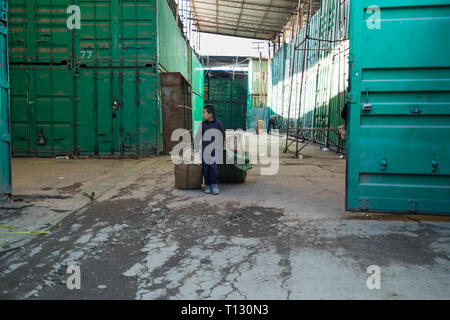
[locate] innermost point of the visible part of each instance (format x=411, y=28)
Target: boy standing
x=211, y=128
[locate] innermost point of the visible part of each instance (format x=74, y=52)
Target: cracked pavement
x=281, y=237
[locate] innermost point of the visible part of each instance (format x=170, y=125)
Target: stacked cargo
x=85, y=76
x=319, y=79
x=5, y=138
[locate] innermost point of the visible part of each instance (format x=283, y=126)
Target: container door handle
x=434, y=165
x=383, y=164
x=367, y=107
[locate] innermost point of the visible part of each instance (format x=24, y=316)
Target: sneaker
x=215, y=189
x=208, y=189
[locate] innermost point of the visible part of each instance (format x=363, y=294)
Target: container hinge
x=364, y=204
x=434, y=165
x=351, y=58
x=413, y=206
x=4, y=17
x=6, y=138
x=4, y=84
x=4, y=5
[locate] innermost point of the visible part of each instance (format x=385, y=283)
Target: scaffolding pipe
x=292, y=81
x=303, y=75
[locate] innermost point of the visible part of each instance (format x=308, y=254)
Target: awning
x=257, y=19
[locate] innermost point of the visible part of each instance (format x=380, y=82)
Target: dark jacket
x=207, y=125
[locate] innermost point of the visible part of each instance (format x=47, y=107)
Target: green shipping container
x=173, y=52
x=94, y=90
x=198, y=91
x=5, y=138
x=94, y=111
x=398, y=146
x=228, y=94
x=111, y=32
x=315, y=97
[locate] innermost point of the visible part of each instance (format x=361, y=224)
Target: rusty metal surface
x=176, y=106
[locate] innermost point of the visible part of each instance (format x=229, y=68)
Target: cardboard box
x=188, y=176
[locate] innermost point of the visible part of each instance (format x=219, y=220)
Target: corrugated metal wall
x=94, y=90
x=319, y=101
x=5, y=138
x=173, y=52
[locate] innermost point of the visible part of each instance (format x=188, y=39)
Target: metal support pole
x=303, y=76
x=292, y=84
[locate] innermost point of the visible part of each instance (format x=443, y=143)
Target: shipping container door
x=117, y=111
x=399, y=127
x=116, y=32
x=54, y=109
x=42, y=110
x=39, y=31
x=130, y=87
x=146, y=84
x=90, y=137
x=5, y=137
x=21, y=117
x=95, y=97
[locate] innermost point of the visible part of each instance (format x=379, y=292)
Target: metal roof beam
x=246, y=29
x=207, y=11
x=266, y=37
x=242, y=21
x=265, y=14
x=249, y=3
x=242, y=17
x=281, y=11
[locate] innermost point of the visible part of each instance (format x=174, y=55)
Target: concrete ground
x=135, y=236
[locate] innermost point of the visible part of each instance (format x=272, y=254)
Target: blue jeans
x=210, y=173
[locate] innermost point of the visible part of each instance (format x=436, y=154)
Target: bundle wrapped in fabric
x=233, y=142
x=235, y=172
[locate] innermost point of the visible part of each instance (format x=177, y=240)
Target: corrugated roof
x=257, y=19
